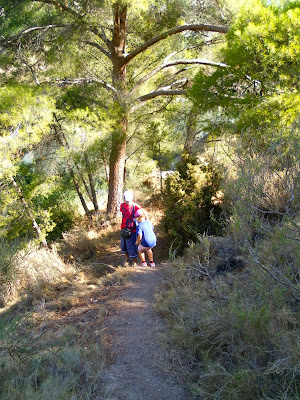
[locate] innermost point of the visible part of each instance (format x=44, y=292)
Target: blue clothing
x=145, y=228
x=129, y=246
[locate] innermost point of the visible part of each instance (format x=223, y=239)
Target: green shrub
x=63, y=220
x=192, y=201
x=236, y=334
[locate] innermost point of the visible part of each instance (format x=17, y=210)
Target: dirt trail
x=135, y=344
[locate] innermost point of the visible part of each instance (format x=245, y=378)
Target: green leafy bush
x=193, y=202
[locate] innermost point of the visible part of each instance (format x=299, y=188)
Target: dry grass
x=34, y=269
x=51, y=335
x=51, y=328
x=53, y=359
x=236, y=333
x=279, y=191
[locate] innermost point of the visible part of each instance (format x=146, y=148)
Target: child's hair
x=138, y=213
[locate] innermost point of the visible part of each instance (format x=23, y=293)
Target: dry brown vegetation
x=234, y=326
x=54, y=302
x=51, y=340
x=236, y=331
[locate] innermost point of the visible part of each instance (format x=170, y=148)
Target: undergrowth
x=45, y=358
x=193, y=202
x=51, y=320
x=236, y=334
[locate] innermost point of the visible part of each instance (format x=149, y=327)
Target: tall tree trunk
x=80, y=195
x=91, y=180
x=105, y=166
x=118, y=144
x=35, y=225
x=84, y=183
x=116, y=170
x=57, y=131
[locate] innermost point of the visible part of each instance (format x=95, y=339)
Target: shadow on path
x=134, y=332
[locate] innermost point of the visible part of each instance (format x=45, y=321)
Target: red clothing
x=127, y=215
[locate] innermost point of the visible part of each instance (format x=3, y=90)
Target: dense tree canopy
x=256, y=100
x=93, y=68
x=96, y=95
x=92, y=45
x=261, y=81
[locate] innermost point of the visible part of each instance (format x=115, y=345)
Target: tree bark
x=84, y=183
x=35, y=225
x=119, y=135
x=91, y=181
x=116, y=167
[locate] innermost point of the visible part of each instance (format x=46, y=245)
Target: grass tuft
x=236, y=332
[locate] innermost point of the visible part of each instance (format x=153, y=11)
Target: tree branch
x=195, y=61
x=105, y=52
x=101, y=35
x=78, y=81
x=209, y=141
x=14, y=38
x=156, y=93
x=174, y=31
x=69, y=10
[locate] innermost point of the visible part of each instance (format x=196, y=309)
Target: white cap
x=128, y=195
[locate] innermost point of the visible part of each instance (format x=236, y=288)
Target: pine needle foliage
x=189, y=199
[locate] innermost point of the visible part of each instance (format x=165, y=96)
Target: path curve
x=134, y=331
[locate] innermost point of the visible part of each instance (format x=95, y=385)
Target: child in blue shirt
x=146, y=238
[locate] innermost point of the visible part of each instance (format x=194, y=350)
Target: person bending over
x=146, y=238
x=128, y=245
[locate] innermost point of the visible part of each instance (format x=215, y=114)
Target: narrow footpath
x=134, y=370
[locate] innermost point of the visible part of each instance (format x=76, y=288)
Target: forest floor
x=108, y=308
x=136, y=361
x=136, y=368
